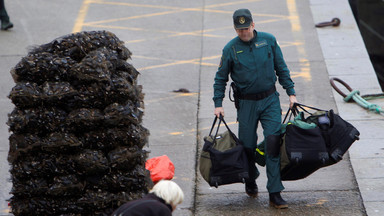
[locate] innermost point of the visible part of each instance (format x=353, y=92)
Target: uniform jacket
x=149, y=205
x=254, y=66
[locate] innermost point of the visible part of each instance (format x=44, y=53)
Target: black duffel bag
x=341, y=134
x=338, y=134
x=314, y=142
x=303, y=149
x=223, y=159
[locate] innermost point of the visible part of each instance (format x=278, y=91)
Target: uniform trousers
x=267, y=111
x=3, y=13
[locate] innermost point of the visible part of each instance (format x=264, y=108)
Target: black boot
x=6, y=25
x=251, y=189
x=277, y=201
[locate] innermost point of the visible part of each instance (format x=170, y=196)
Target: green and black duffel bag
x=223, y=159
x=310, y=143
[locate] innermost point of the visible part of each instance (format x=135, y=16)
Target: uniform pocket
x=264, y=59
x=244, y=67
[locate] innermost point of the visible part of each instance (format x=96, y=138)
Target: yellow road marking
x=169, y=64
x=287, y=44
x=191, y=61
x=231, y=3
x=86, y=4
x=198, y=33
x=81, y=16
x=194, y=130
x=305, y=70
x=209, y=64
x=140, y=5
x=171, y=7
x=80, y=21
x=176, y=133
x=130, y=18
x=151, y=58
x=172, y=33
x=294, y=17
x=319, y=202
x=169, y=60
x=131, y=28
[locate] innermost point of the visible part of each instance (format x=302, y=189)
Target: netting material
x=76, y=135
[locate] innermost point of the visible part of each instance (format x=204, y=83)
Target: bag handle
x=294, y=110
x=291, y=111
x=221, y=119
x=302, y=107
x=213, y=126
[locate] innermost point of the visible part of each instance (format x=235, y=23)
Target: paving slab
x=374, y=208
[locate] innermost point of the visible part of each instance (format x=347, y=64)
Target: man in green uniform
x=254, y=61
x=5, y=23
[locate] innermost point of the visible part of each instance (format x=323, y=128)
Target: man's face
x=246, y=34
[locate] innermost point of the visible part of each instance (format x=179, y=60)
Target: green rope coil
x=355, y=95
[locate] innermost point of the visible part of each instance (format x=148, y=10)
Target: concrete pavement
x=177, y=44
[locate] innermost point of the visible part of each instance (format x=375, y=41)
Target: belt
x=258, y=96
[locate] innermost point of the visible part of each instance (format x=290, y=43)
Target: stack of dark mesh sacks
x=76, y=135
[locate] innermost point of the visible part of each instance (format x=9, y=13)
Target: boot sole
x=284, y=206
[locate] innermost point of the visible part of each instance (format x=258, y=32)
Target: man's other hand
x=292, y=100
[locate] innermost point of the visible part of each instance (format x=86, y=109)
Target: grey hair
x=169, y=191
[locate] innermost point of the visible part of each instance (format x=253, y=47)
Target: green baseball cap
x=242, y=18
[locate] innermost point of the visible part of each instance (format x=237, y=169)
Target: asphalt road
x=177, y=44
